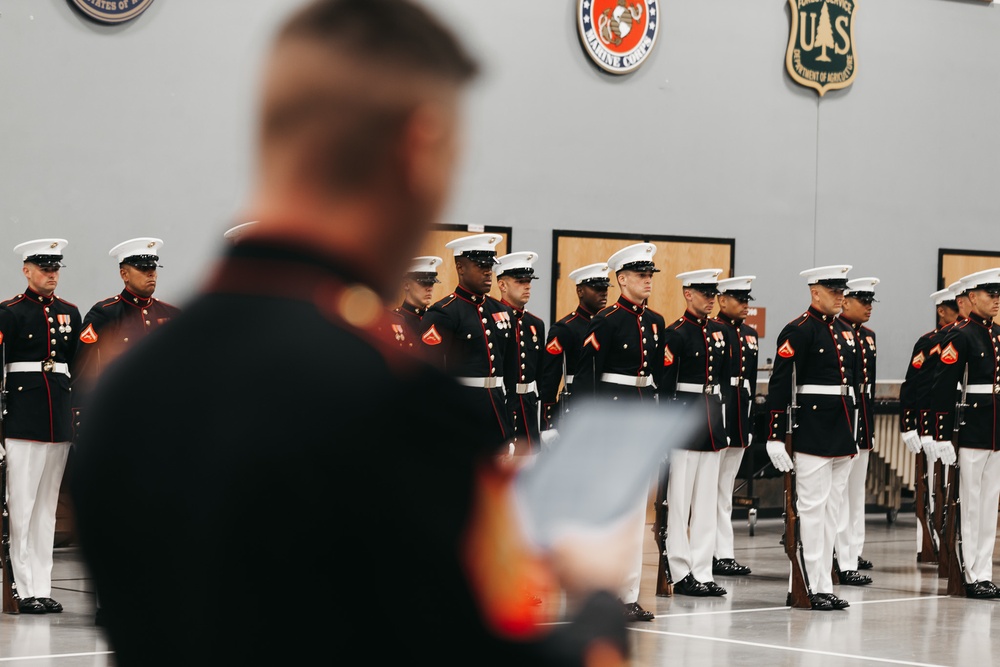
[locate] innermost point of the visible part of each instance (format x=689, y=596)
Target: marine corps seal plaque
x=618, y=35
x=821, y=44
x=111, y=11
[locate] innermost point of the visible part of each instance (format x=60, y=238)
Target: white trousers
x=629, y=592
x=819, y=487
x=979, y=491
x=851, y=526
x=34, y=474
x=692, y=511
x=729, y=466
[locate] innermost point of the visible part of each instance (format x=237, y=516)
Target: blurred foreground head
x=359, y=130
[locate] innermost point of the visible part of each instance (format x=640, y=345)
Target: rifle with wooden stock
x=953, y=508
x=924, y=509
x=801, y=591
x=664, y=582
x=9, y=594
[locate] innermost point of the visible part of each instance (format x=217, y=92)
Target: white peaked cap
x=861, y=286
x=942, y=295
x=591, y=273
x=475, y=244
x=236, y=232
x=41, y=248
x=516, y=263
x=699, y=277
x=424, y=264
x=143, y=246
x=980, y=278
x=736, y=284
x=636, y=257
x=836, y=274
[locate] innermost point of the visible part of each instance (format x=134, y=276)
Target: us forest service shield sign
x=821, y=44
x=618, y=35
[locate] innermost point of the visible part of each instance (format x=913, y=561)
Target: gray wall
x=147, y=129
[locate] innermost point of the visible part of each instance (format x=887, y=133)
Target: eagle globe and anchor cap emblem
x=618, y=35
x=820, y=51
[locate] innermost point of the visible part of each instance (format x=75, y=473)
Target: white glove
x=912, y=441
x=779, y=457
x=946, y=452
x=930, y=448
x=749, y=439
x=549, y=437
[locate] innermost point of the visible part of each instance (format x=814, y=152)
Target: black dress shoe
x=853, y=578
x=729, y=567
x=633, y=612
x=691, y=586
x=864, y=564
x=30, y=606
x=835, y=602
x=714, y=588
x=991, y=587
x=816, y=601
x=51, y=606
x=978, y=590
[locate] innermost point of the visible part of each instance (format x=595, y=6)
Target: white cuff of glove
x=929, y=447
x=912, y=441
x=549, y=436
x=779, y=457
x=946, y=452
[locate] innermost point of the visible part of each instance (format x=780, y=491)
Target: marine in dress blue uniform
x=565, y=340
x=973, y=345
x=621, y=360
x=734, y=299
x=469, y=334
x=515, y=273
x=696, y=374
x=850, y=541
x=822, y=349
x=38, y=332
x=418, y=293
x=115, y=324
x=915, y=418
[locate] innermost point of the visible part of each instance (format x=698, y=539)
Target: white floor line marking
x=56, y=655
x=744, y=611
x=791, y=648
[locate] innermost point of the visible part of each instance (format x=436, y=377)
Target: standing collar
x=134, y=299
x=469, y=296
x=731, y=321
x=630, y=306
x=408, y=307
x=32, y=295
x=820, y=316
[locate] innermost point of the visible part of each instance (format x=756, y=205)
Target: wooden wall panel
x=672, y=257
x=954, y=264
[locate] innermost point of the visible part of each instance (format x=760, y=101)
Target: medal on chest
x=64, y=323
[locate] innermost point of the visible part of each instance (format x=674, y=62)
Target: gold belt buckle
x=48, y=365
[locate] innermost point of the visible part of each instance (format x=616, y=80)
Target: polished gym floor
x=902, y=618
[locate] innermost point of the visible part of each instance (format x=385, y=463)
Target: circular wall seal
x=618, y=35
x=111, y=11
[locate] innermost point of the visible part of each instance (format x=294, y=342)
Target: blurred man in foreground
x=208, y=539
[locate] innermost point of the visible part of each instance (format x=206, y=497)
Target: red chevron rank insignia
x=431, y=336
x=88, y=335
x=949, y=355
x=786, y=350
x=668, y=356
x=592, y=340
x=554, y=347
x=918, y=360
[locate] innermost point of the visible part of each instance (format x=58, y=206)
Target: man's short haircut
x=346, y=126
x=397, y=33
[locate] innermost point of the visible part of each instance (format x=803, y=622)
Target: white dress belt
x=628, y=380
x=482, y=383
x=527, y=387
x=984, y=389
x=38, y=367
x=735, y=382
x=692, y=388
x=826, y=389
x=569, y=379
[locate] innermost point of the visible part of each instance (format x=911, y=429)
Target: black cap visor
x=142, y=262
x=48, y=262
x=742, y=295
x=424, y=278
x=640, y=267
x=993, y=289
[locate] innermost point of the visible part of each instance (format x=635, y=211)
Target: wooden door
x=954, y=264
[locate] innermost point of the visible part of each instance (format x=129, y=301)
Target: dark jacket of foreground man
x=264, y=481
